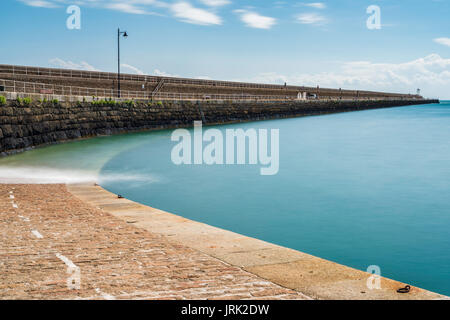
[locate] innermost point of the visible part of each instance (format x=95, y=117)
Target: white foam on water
x=45, y=175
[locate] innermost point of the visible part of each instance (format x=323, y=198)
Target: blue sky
x=298, y=42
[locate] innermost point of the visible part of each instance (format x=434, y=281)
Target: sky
x=333, y=43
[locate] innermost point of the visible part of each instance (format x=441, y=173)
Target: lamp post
x=125, y=34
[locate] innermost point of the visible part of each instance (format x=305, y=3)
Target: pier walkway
x=52, y=243
x=83, y=242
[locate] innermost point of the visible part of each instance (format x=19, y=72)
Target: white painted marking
x=24, y=218
x=11, y=196
x=105, y=295
x=15, y=206
x=66, y=260
x=37, y=234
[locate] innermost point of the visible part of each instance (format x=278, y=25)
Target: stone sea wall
x=25, y=124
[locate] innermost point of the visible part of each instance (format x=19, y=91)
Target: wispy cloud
x=160, y=73
x=60, y=63
x=215, y=3
x=40, y=3
x=185, y=12
x=430, y=73
x=132, y=68
x=126, y=7
x=443, y=41
x=316, y=5
x=312, y=19
x=255, y=20
x=83, y=65
x=181, y=9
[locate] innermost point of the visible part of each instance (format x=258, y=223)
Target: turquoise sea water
x=361, y=188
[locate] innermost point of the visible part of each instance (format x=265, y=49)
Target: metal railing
x=97, y=75
x=101, y=93
x=60, y=90
x=52, y=72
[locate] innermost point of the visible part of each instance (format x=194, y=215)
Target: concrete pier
x=24, y=126
x=311, y=276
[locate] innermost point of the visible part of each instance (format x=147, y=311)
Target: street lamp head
x=125, y=35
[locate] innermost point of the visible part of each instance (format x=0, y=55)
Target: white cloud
x=443, y=41
x=83, y=65
x=132, y=68
x=59, y=63
x=430, y=73
x=316, y=5
x=138, y=1
x=39, y=3
x=255, y=20
x=203, y=77
x=215, y=3
x=126, y=7
x=181, y=9
x=160, y=73
x=185, y=12
x=312, y=18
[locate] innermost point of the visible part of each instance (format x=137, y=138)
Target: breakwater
x=37, y=80
x=25, y=124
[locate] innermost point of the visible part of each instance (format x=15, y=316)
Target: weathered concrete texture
x=315, y=277
x=45, y=229
x=23, y=127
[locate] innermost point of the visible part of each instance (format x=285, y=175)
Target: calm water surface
x=361, y=188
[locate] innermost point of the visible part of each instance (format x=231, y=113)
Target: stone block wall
x=40, y=123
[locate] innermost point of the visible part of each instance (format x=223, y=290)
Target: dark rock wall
x=26, y=126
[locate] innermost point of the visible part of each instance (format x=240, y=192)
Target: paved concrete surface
x=55, y=246
x=312, y=276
